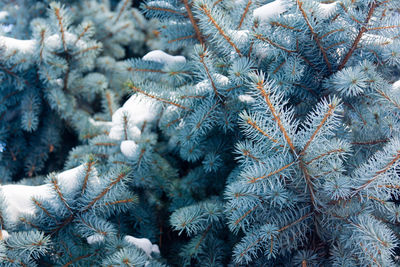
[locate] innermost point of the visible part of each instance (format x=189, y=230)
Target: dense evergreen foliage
x=200, y=133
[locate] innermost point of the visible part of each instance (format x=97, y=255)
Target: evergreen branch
x=207, y=12
x=266, y=95
x=78, y=259
x=119, y=178
x=202, y=237
x=245, y=214
x=373, y=142
x=359, y=35
x=121, y=10
x=302, y=218
x=326, y=154
x=330, y=32
x=378, y=173
x=255, y=179
x=60, y=24
x=265, y=39
x=166, y=10
x=193, y=21
x=138, y=90
x=315, y=35
x=182, y=38
x=37, y=203
x=383, y=27
x=58, y=191
x=91, y=48
x=326, y=116
x=202, y=55
x=88, y=170
x=397, y=105
x=87, y=27
x=121, y=201
x=278, y=24
x=109, y=104
x=246, y=10
x=308, y=181
x=279, y=230
x=247, y=153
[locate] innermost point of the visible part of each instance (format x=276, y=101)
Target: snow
x=19, y=199
x=269, y=10
x=142, y=243
x=130, y=149
x=327, y=10
x=164, y=58
x=3, y=15
x=246, y=99
x=22, y=46
x=66, y=179
x=396, y=86
x=4, y=235
x=96, y=238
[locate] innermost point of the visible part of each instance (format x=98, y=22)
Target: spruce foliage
x=268, y=135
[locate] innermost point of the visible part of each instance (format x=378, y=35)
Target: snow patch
x=4, y=235
x=130, y=149
x=396, y=86
x=22, y=46
x=3, y=15
x=327, y=10
x=19, y=199
x=142, y=243
x=246, y=99
x=269, y=10
x=67, y=179
x=164, y=58
x=96, y=238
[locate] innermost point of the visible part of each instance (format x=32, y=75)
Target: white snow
x=269, y=10
x=96, y=238
x=396, y=85
x=67, y=179
x=246, y=99
x=164, y=58
x=22, y=46
x=142, y=243
x=130, y=149
x=19, y=199
x=142, y=109
x=3, y=15
x=327, y=10
x=4, y=235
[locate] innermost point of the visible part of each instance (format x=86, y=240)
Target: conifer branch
x=339, y=150
x=246, y=10
x=378, y=173
x=382, y=93
x=121, y=11
x=255, y=179
x=119, y=178
x=58, y=191
x=266, y=95
x=166, y=10
x=315, y=35
x=86, y=179
x=207, y=12
x=138, y=90
x=38, y=204
x=326, y=116
x=359, y=35
x=266, y=39
x=193, y=21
